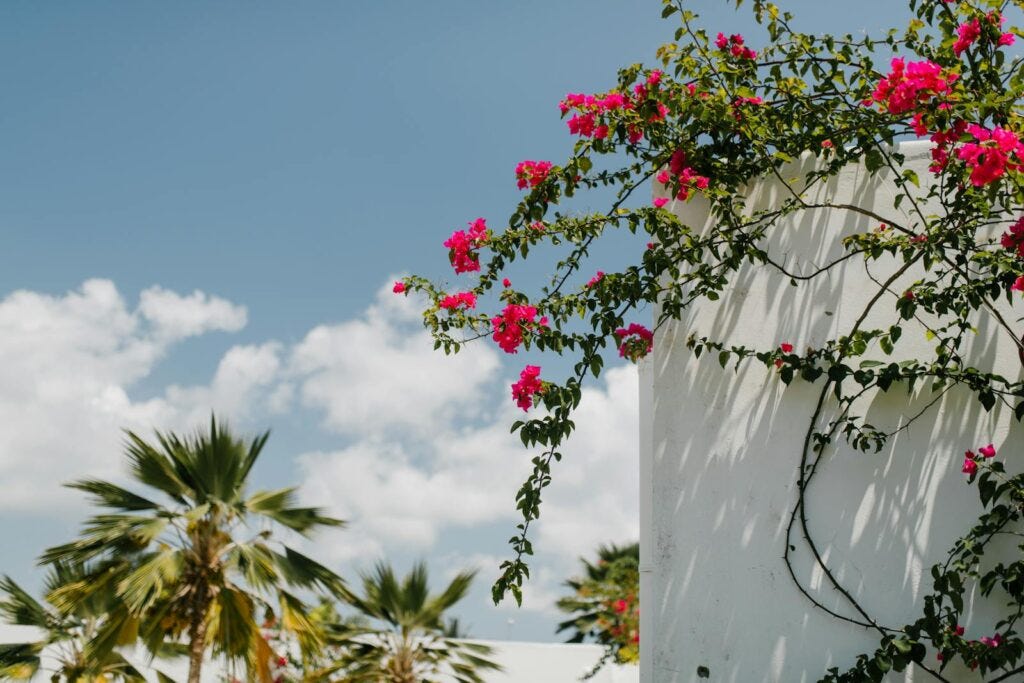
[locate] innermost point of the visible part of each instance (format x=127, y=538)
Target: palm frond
x=19, y=661
x=20, y=608
x=113, y=496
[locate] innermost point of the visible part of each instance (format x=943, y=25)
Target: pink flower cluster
x=683, y=175
x=971, y=459
x=464, y=300
x=734, y=44
x=462, y=246
x=989, y=157
x=510, y=325
x=531, y=173
x=528, y=386
x=399, y=287
x=635, y=341
x=943, y=141
x=968, y=32
x=909, y=85
x=596, y=279
x=1013, y=239
x=589, y=108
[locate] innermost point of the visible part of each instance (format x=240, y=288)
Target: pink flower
x=989, y=158
x=1006, y=39
x=1018, y=284
x=582, y=125
x=464, y=300
x=531, y=173
x=506, y=283
x=597, y=278
x=661, y=201
x=967, y=33
x=621, y=606
x=684, y=175
x=1013, y=239
x=462, y=246
x=537, y=225
x=528, y=386
x=785, y=347
x=970, y=463
x=601, y=132
x=634, y=134
x=399, y=287
x=988, y=451
x=721, y=41
x=654, y=77
x=826, y=144
x=510, y=325
x=994, y=641
x=909, y=85
x=635, y=341
x=960, y=630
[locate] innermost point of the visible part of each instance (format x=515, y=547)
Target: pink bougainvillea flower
x=909, y=85
x=660, y=202
x=462, y=246
x=528, y=386
x=967, y=33
x=1013, y=239
x=994, y=641
x=601, y=132
x=826, y=144
x=399, y=287
x=654, y=77
x=510, y=325
x=597, y=278
x=621, y=606
x=506, y=283
x=960, y=630
x=970, y=463
x=465, y=300
x=721, y=41
x=635, y=341
x=990, y=157
x=1018, y=284
x=785, y=347
x=988, y=451
x=531, y=173
x=1006, y=39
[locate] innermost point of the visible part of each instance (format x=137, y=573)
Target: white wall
x=720, y=451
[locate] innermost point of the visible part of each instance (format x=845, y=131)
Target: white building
x=719, y=459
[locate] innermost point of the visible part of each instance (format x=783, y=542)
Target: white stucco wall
x=720, y=450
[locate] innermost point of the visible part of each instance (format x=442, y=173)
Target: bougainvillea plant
x=716, y=115
x=604, y=606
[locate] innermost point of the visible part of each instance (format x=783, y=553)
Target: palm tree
x=197, y=561
x=410, y=642
x=64, y=634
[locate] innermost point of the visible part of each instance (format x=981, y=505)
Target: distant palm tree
x=63, y=634
x=198, y=563
x=410, y=641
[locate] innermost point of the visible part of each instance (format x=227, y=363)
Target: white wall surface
x=522, y=662
x=720, y=451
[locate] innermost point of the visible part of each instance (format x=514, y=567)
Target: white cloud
x=406, y=494
x=175, y=317
x=66, y=366
x=379, y=372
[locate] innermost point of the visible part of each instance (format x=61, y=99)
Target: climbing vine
x=715, y=117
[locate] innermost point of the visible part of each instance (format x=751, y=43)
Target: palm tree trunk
x=197, y=641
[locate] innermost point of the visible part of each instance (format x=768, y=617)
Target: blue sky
x=286, y=160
